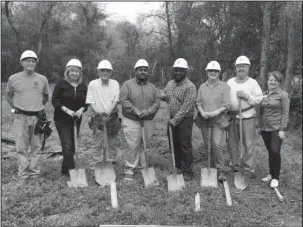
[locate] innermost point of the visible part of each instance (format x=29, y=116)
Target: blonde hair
x=66, y=74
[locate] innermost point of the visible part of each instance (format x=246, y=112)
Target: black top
x=73, y=98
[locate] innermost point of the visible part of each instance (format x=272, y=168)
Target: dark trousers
x=273, y=144
x=182, y=135
x=66, y=135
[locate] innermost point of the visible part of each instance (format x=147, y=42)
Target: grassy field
x=47, y=201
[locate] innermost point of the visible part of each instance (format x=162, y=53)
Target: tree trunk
x=290, y=53
x=265, y=43
x=172, y=55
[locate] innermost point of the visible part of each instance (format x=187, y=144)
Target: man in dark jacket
x=139, y=102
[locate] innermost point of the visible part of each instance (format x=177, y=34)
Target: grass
x=47, y=201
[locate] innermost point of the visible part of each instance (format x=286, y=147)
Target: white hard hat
x=141, y=63
x=74, y=62
x=28, y=54
x=105, y=64
x=242, y=60
x=180, y=63
x=213, y=65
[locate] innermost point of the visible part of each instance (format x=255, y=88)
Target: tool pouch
x=42, y=125
x=113, y=123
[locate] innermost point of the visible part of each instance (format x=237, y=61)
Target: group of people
x=216, y=103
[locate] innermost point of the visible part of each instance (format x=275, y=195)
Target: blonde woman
x=68, y=100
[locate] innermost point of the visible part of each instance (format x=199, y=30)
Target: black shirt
x=73, y=98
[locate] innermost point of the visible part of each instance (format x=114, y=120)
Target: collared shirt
x=101, y=95
x=212, y=98
x=252, y=89
x=274, y=110
x=28, y=90
x=182, y=97
x=143, y=96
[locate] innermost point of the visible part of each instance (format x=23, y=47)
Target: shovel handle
x=105, y=142
x=241, y=132
x=280, y=197
x=209, y=144
x=144, y=139
x=75, y=139
x=172, y=147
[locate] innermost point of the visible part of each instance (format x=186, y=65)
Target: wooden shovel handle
x=144, y=140
x=209, y=143
x=241, y=132
x=105, y=142
x=75, y=140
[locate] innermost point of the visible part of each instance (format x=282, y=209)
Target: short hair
x=277, y=75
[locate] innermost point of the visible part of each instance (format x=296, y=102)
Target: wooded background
x=268, y=33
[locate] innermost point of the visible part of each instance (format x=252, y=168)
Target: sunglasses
x=213, y=71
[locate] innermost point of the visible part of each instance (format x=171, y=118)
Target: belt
x=27, y=113
x=234, y=113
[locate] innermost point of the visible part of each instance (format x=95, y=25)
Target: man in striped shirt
x=180, y=93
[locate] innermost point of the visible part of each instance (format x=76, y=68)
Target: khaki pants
x=249, y=139
x=98, y=144
x=27, y=158
x=134, y=154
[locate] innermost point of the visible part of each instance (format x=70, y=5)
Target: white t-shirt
x=252, y=89
x=102, y=96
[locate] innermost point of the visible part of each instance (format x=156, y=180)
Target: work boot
x=222, y=177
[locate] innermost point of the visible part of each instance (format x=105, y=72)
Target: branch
x=153, y=15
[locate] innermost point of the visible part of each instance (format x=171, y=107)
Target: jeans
x=182, y=135
x=249, y=139
x=27, y=158
x=273, y=145
x=66, y=135
x=217, y=148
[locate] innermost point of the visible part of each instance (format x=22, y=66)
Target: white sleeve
x=256, y=95
x=117, y=91
x=89, y=96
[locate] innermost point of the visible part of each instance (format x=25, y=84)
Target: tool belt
x=113, y=124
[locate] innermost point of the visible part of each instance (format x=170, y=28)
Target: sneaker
x=274, y=183
x=266, y=179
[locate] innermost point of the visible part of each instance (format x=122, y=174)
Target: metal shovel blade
x=175, y=182
x=149, y=177
x=105, y=173
x=241, y=180
x=209, y=177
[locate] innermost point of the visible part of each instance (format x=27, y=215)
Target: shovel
x=175, y=182
x=209, y=175
x=148, y=174
x=77, y=176
x=104, y=171
x=241, y=179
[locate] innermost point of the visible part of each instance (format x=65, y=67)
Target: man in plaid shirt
x=180, y=94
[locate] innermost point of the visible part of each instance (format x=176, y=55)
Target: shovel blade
x=209, y=177
x=149, y=177
x=175, y=182
x=241, y=180
x=105, y=173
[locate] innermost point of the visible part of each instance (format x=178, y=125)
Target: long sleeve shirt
x=213, y=98
x=274, y=110
x=73, y=98
x=252, y=89
x=141, y=96
x=182, y=97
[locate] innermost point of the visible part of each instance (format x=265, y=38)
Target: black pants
x=66, y=135
x=182, y=135
x=273, y=144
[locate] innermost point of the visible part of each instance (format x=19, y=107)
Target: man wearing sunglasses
x=180, y=94
x=102, y=96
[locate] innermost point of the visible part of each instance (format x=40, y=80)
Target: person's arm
x=45, y=92
x=256, y=95
x=124, y=100
x=9, y=98
x=155, y=106
x=285, y=111
x=90, y=101
x=115, y=100
x=56, y=100
x=189, y=102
